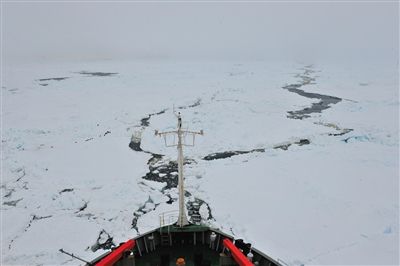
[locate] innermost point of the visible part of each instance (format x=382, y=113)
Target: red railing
x=116, y=254
x=237, y=255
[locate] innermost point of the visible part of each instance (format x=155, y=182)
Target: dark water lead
x=340, y=131
x=135, y=145
x=195, y=104
x=12, y=203
x=50, y=79
x=144, y=122
x=325, y=102
x=285, y=147
x=164, y=171
x=193, y=208
x=228, y=154
x=343, y=131
x=141, y=211
x=84, y=206
x=363, y=138
x=66, y=190
x=97, y=74
x=9, y=192
x=104, y=241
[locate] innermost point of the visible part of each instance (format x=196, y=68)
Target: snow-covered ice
x=319, y=190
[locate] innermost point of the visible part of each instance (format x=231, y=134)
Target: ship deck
x=194, y=255
x=186, y=242
x=198, y=245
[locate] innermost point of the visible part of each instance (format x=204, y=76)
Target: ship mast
x=182, y=218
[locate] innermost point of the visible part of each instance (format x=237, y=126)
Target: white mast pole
x=182, y=218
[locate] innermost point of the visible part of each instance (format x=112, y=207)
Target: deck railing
x=168, y=218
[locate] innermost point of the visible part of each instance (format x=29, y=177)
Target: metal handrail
x=171, y=217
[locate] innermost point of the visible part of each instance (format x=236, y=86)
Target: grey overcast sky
x=199, y=31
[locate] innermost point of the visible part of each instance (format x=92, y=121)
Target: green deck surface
x=188, y=228
x=188, y=252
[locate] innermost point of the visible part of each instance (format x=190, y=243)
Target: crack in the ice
x=33, y=218
x=97, y=74
x=194, y=210
x=56, y=79
x=12, y=203
x=23, y=173
x=90, y=216
x=325, y=101
x=83, y=207
x=148, y=206
x=144, y=122
x=341, y=131
x=104, y=241
x=92, y=138
x=164, y=171
x=66, y=190
x=195, y=104
x=324, y=253
x=9, y=191
x=228, y=154
x=285, y=147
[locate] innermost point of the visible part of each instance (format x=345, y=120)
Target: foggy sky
x=199, y=31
